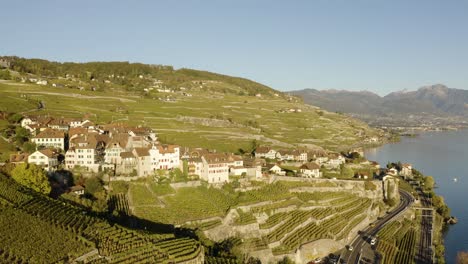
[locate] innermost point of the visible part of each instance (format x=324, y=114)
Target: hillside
x=268, y=221
x=224, y=113
x=102, y=76
x=60, y=232
x=427, y=105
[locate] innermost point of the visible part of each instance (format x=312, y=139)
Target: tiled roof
x=310, y=166
x=126, y=155
x=262, y=149
x=20, y=157
x=141, y=152
x=48, y=152
x=50, y=133
x=167, y=148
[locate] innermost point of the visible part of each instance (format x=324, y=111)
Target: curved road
x=359, y=242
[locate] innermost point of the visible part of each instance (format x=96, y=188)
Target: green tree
x=15, y=118
x=346, y=172
x=5, y=75
x=94, y=185
x=21, y=135
x=32, y=176
x=253, y=146
x=429, y=182
x=29, y=147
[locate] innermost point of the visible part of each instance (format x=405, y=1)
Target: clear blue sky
x=374, y=45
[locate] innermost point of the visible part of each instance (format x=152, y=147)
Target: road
x=360, y=242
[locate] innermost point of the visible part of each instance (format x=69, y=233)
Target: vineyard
x=38, y=229
x=397, y=242
x=287, y=214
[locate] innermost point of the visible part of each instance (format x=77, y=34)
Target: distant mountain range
x=428, y=101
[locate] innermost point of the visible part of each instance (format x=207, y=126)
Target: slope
x=223, y=113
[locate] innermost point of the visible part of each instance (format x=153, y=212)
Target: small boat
x=455, y=179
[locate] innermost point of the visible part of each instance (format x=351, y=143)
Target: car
x=373, y=241
x=371, y=224
x=318, y=260
x=350, y=248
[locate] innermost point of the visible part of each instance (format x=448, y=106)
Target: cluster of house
x=320, y=157
x=130, y=150
x=405, y=170
x=308, y=161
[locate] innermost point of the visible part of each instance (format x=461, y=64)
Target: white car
x=373, y=241
x=350, y=248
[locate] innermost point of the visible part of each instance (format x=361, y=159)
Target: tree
x=21, y=135
x=93, y=185
x=253, y=146
x=346, y=172
x=5, y=75
x=29, y=147
x=32, y=176
x=15, y=118
x=429, y=182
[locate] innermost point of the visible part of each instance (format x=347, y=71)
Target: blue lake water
x=443, y=155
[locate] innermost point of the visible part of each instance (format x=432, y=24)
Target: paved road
x=359, y=242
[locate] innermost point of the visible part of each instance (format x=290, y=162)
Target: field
x=398, y=241
x=37, y=229
x=222, y=121
x=293, y=218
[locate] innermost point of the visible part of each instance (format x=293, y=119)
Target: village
x=133, y=152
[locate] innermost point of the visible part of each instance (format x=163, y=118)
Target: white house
x=392, y=172
x=285, y=155
x=165, y=157
x=406, y=170
x=215, y=168
x=300, y=155
x=335, y=160
x=194, y=166
x=143, y=160
x=50, y=138
x=45, y=158
x=114, y=148
x=237, y=171
x=127, y=164
x=59, y=124
x=275, y=169
x=28, y=121
x=310, y=170
x=86, y=150
x=265, y=152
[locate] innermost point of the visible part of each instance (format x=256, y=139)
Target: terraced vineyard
x=119, y=203
x=64, y=232
x=287, y=213
x=397, y=242
x=336, y=224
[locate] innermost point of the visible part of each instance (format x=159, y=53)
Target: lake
x=442, y=155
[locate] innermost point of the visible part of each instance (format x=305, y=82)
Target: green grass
x=161, y=189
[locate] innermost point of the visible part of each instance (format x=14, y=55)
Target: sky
x=376, y=45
